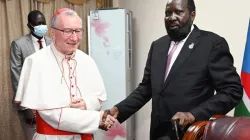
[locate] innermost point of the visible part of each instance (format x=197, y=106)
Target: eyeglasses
x=68, y=32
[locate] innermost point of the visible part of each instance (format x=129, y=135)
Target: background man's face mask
x=40, y=30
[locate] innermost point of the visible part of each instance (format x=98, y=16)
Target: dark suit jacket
x=190, y=86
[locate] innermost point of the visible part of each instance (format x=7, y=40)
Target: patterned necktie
x=40, y=44
x=170, y=55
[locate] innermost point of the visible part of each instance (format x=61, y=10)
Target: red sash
x=43, y=128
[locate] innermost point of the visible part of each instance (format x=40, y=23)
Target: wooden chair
x=220, y=127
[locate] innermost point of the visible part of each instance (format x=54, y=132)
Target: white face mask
x=40, y=30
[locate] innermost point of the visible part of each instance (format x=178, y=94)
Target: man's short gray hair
x=67, y=12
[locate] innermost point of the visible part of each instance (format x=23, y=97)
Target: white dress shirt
x=36, y=44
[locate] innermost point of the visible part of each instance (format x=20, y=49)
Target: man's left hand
x=184, y=118
x=78, y=103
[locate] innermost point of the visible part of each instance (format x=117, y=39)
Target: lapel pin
x=191, y=46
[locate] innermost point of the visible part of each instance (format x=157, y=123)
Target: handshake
x=108, y=118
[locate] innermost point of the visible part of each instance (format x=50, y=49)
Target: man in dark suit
x=22, y=48
x=182, y=73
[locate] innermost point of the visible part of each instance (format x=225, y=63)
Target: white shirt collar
x=192, y=28
x=34, y=39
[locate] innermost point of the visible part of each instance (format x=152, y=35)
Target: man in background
x=20, y=49
x=182, y=73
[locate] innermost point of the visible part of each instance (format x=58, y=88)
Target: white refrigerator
x=110, y=45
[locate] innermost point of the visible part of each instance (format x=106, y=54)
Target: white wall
x=226, y=18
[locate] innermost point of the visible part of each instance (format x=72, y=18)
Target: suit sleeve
x=72, y=120
x=229, y=90
x=140, y=96
x=15, y=65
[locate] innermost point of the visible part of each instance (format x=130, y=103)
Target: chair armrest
x=216, y=116
x=195, y=131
